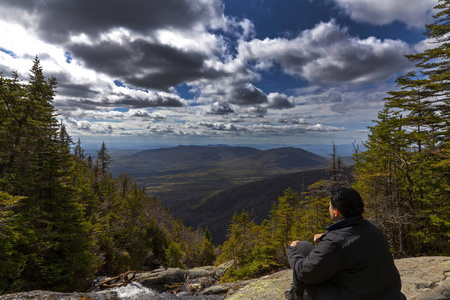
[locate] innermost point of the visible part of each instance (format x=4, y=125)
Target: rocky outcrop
x=45, y=295
x=423, y=278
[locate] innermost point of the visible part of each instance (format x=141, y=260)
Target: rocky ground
x=423, y=278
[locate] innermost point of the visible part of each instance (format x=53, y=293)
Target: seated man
x=351, y=260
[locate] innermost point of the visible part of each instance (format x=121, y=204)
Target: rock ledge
x=423, y=278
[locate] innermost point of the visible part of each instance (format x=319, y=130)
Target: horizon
x=343, y=150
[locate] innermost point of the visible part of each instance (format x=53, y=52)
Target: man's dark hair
x=347, y=201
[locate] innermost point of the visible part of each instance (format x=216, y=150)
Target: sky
x=135, y=73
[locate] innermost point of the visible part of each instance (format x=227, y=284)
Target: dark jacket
x=352, y=261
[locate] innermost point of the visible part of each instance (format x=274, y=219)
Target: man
x=351, y=261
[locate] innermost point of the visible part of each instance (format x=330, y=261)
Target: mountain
x=257, y=198
x=183, y=159
x=204, y=185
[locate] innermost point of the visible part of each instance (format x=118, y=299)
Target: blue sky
x=167, y=72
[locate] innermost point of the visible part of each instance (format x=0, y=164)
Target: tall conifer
x=404, y=173
x=36, y=163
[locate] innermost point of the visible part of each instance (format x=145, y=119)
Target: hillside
x=204, y=186
x=193, y=172
x=257, y=198
x=217, y=159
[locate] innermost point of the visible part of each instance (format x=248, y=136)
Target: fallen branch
x=112, y=282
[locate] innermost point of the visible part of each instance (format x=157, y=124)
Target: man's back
x=352, y=261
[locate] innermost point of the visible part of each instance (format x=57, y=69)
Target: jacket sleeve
x=321, y=264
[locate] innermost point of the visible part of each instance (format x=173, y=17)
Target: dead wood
x=120, y=280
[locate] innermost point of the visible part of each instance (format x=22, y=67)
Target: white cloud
x=414, y=13
x=101, y=62
x=327, y=54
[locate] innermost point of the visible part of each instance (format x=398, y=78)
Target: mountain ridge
x=205, y=185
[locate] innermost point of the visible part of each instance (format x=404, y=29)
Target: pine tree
x=13, y=236
x=207, y=249
x=283, y=218
x=402, y=174
x=36, y=163
x=314, y=215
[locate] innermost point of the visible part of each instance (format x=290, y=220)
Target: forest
x=64, y=219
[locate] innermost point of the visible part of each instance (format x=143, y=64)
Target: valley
x=205, y=185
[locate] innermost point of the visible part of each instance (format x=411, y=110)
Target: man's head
x=345, y=202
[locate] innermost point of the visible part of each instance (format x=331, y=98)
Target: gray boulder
x=45, y=295
x=423, y=278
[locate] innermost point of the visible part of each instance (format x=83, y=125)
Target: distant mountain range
x=204, y=185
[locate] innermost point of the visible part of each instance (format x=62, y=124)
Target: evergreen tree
x=402, y=174
x=103, y=160
x=63, y=217
x=36, y=163
x=314, y=215
x=283, y=218
x=174, y=256
x=13, y=236
x=207, y=249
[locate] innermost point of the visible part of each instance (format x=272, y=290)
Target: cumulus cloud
x=252, y=112
x=219, y=126
x=327, y=54
x=279, y=101
x=91, y=18
x=247, y=94
x=145, y=64
x=120, y=66
x=90, y=127
x=320, y=127
x=218, y=108
x=143, y=43
x=414, y=13
x=291, y=119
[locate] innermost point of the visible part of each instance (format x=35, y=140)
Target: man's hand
x=294, y=243
x=317, y=237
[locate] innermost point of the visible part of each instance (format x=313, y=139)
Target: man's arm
x=321, y=264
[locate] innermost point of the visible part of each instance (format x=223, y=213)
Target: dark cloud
x=279, y=101
x=132, y=102
x=59, y=19
x=132, y=59
x=122, y=101
x=143, y=64
x=75, y=90
x=247, y=94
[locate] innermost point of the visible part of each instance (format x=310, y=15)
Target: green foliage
x=63, y=217
x=403, y=172
x=315, y=216
x=12, y=236
x=261, y=249
x=36, y=163
x=208, y=255
x=174, y=256
x=261, y=262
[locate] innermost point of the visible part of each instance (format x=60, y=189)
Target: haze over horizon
x=169, y=72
